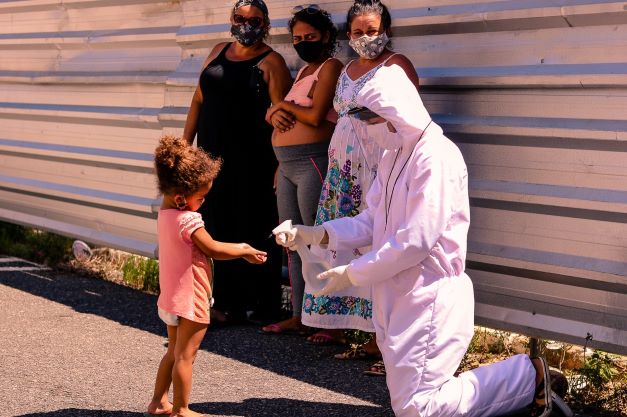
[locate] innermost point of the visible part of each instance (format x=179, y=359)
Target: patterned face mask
x=369, y=47
x=246, y=34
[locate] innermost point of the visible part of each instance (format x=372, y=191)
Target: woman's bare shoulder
x=275, y=59
x=406, y=64
x=399, y=59
x=331, y=68
x=334, y=64
x=215, y=51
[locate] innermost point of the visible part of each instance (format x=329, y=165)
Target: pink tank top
x=299, y=93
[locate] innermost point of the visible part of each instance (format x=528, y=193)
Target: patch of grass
x=56, y=251
x=598, y=380
x=358, y=337
x=34, y=244
x=600, y=383
x=141, y=273
x=120, y=267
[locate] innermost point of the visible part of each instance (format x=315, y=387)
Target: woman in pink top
x=185, y=175
x=303, y=126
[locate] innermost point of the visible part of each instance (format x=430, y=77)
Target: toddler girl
x=185, y=175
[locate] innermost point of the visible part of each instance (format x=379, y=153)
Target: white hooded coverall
x=423, y=304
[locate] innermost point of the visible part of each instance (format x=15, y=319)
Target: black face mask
x=309, y=51
x=246, y=34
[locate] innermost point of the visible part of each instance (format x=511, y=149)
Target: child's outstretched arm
x=224, y=251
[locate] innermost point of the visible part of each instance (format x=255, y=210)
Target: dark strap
x=263, y=56
x=221, y=55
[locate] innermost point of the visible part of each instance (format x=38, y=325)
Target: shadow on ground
x=287, y=355
x=253, y=407
x=75, y=412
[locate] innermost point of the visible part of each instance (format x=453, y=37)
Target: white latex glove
x=291, y=236
x=285, y=233
x=337, y=279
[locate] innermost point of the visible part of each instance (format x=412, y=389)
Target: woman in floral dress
x=351, y=170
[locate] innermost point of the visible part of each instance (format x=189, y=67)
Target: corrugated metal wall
x=534, y=92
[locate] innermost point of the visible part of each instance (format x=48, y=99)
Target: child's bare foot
x=158, y=408
x=186, y=412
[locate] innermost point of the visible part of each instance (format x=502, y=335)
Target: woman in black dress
x=238, y=83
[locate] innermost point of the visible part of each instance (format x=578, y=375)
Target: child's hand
x=254, y=256
x=256, y=259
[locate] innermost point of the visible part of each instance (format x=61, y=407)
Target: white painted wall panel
x=533, y=91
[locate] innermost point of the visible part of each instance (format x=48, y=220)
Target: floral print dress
x=352, y=168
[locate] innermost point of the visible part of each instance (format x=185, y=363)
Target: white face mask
x=381, y=134
x=369, y=47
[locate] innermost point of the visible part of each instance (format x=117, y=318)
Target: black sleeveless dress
x=241, y=206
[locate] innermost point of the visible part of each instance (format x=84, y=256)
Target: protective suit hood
x=393, y=96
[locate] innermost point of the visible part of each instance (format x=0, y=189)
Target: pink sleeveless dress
x=184, y=270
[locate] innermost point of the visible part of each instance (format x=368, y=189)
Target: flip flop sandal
x=275, y=328
x=324, y=339
x=376, y=369
x=356, y=352
x=271, y=329
x=542, y=399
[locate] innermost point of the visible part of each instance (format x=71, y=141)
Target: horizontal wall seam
x=541, y=209
x=614, y=267
x=537, y=122
x=139, y=111
x=538, y=141
x=79, y=162
x=23, y=6
x=544, y=190
x=82, y=191
x=600, y=68
x=90, y=33
x=83, y=150
x=87, y=119
x=552, y=305
x=82, y=203
x=574, y=281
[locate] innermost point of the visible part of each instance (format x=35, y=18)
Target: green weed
x=599, y=383
x=34, y=244
x=141, y=273
x=357, y=337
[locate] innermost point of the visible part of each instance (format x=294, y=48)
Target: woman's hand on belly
x=302, y=133
x=282, y=120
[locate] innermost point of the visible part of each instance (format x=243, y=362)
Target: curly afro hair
x=182, y=168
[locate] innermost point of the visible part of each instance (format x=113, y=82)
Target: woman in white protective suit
x=423, y=304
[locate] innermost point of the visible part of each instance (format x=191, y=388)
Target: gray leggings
x=302, y=169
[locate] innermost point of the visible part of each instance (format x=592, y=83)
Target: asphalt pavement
x=75, y=346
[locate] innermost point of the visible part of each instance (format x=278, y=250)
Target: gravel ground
x=76, y=346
